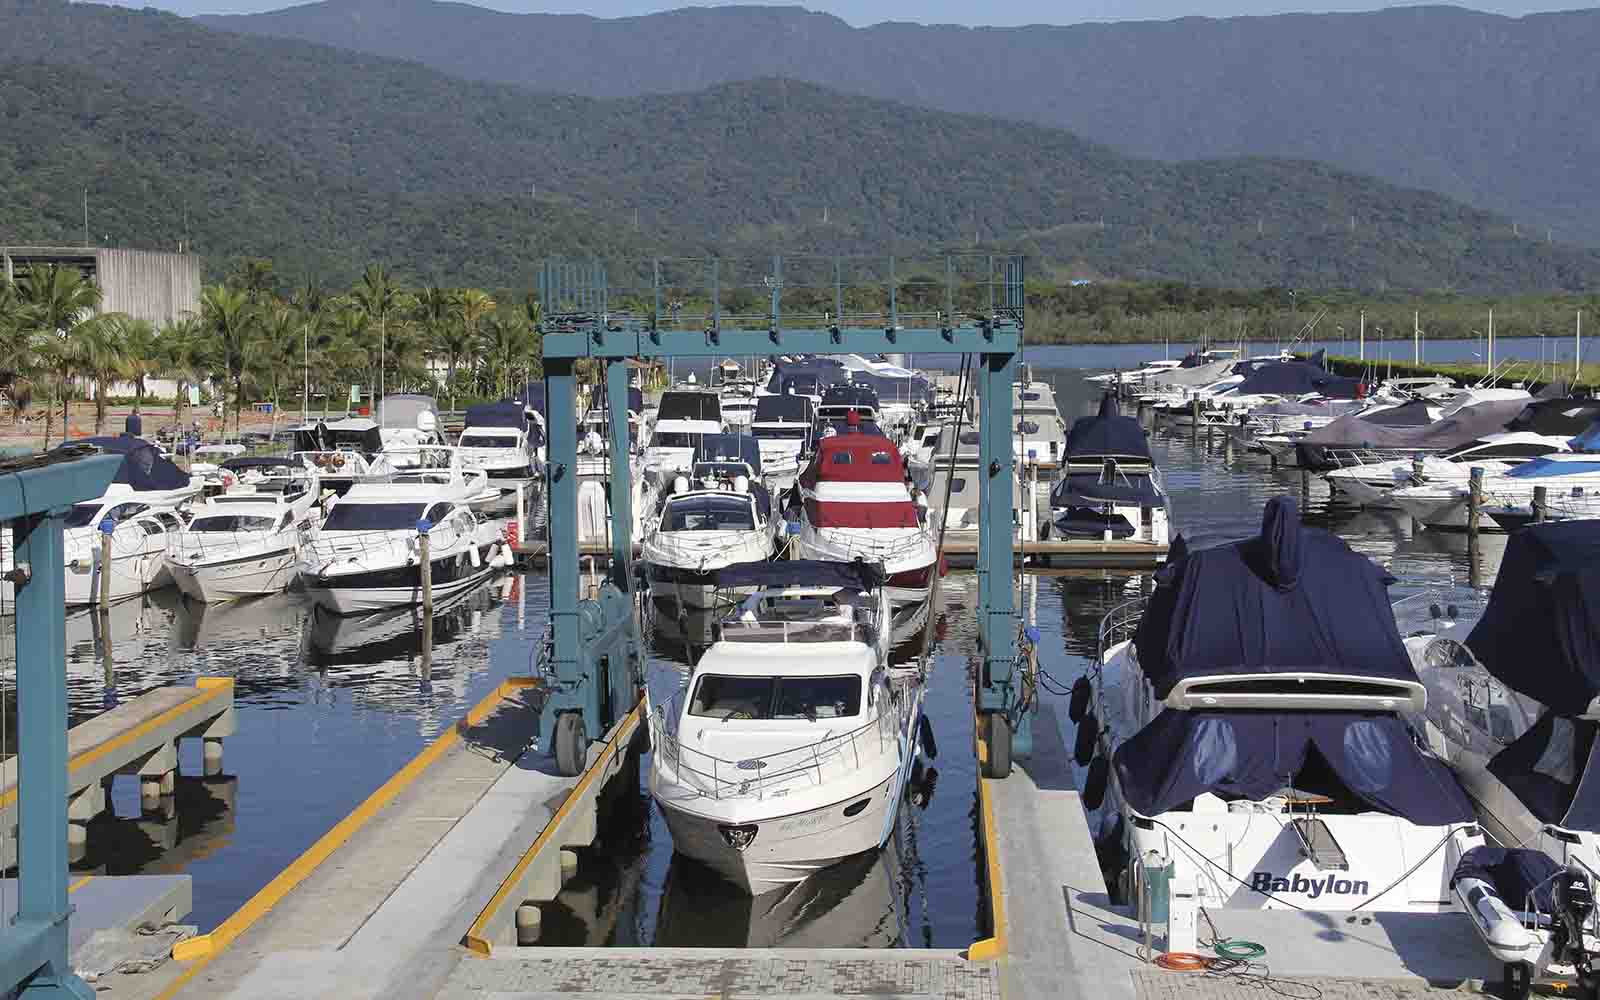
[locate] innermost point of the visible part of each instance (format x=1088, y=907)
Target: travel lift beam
x=592, y=661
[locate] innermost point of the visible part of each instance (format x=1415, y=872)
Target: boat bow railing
x=835, y=755
x=1119, y=625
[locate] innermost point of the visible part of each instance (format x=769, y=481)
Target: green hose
x=1239, y=951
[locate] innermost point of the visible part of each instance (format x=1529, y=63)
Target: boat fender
x=1094, y=784
x=741, y=484
x=473, y=557
x=1500, y=927
x=925, y=737
x=1088, y=732
x=680, y=484
x=1078, y=706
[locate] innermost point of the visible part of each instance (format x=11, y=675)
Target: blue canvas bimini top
x=860, y=576
x=142, y=468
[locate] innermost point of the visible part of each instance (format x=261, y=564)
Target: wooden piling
x=425, y=570
x=105, y=562
x=1417, y=466
x=1475, y=500
x=1541, y=499
x=1194, y=414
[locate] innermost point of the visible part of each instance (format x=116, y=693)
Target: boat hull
x=786, y=849
x=243, y=576
x=130, y=577
x=374, y=590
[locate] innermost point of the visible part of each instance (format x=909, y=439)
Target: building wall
x=147, y=284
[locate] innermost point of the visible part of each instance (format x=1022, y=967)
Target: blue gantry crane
x=35, y=495
x=592, y=662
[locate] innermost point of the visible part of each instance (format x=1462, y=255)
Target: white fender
x=473, y=558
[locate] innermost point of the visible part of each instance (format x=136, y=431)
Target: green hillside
x=323, y=159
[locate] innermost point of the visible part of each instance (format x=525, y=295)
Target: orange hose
x=1182, y=961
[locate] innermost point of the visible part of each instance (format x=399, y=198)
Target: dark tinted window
x=231, y=522
x=373, y=516
x=689, y=406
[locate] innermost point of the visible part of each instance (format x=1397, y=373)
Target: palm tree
x=378, y=298
x=253, y=275
x=97, y=352
x=505, y=339
x=230, y=319
x=19, y=355
x=181, y=346
x=436, y=314
x=142, y=355
x=57, y=301
x=284, y=340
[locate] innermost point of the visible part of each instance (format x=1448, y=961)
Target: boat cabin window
x=674, y=439
x=796, y=433
x=232, y=522
x=82, y=515
x=488, y=441
x=438, y=512
x=720, y=696
x=709, y=513
x=1027, y=427
x=374, y=516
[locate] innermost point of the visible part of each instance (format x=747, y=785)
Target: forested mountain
x=1495, y=111
x=322, y=158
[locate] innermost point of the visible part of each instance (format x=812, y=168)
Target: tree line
x=249, y=338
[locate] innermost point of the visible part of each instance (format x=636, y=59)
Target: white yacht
x=1444, y=504
x=343, y=452
x=499, y=439
x=791, y=743
x=1112, y=487
x=1041, y=437
x=1514, y=705
x=719, y=519
x=406, y=422
x=365, y=556
x=1137, y=376
x=1260, y=750
x=1373, y=483
x=783, y=428
x=142, y=506
x=683, y=417
x=856, y=503
x=243, y=544
x=952, y=497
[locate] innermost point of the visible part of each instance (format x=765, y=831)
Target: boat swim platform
x=139, y=736
x=1058, y=925
x=1041, y=556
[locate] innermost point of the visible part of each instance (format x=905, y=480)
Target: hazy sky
x=861, y=12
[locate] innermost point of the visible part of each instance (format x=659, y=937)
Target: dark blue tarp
x=1564, y=416
x=1107, y=433
x=788, y=409
x=1251, y=755
x=816, y=373
x=1292, y=598
x=142, y=468
x=729, y=448
x=1545, y=610
x=507, y=413
x=1411, y=414
x=850, y=395
x=1553, y=771
x=895, y=388
x=1086, y=522
x=802, y=573
x=532, y=394
x=1089, y=488
x=1294, y=378
x=1517, y=873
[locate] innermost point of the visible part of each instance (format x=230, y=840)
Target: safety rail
x=734, y=630
x=1119, y=625
x=853, y=545
x=184, y=545
x=757, y=777
x=329, y=547
x=1344, y=458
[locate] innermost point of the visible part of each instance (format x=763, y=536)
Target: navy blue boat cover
x=1295, y=378
x=788, y=409
x=1107, y=433
x=1292, y=598
x=1516, y=874
x=506, y=413
x=729, y=448
x=1088, y=489
x=533, y=395
x=825, y=371
x=852, y=394
x=143, y=468
x=1545, y=610
x=1552, y=770
x=802, y=573
x=1251, y=755
x=262, y=462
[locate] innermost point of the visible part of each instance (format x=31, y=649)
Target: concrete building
x=145, y=284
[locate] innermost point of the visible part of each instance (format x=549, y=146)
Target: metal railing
x=332, y=546
x=757, y=777
x=1119, y=625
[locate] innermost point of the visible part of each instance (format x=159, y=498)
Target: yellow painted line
x=206, y=688
x=74, y=887
x=477, y=940
x=994, y=946
x=207, y=946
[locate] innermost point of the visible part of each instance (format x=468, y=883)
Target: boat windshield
x=796, y=433
x=82, y=515
x=487, y=441
x=374, y=516
x=709, y=513
x=232, y=522
x=674, y=439
x=720, y=696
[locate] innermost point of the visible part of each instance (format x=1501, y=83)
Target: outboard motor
x=1574, y=905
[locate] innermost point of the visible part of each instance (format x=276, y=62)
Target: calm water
x=328, y=709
